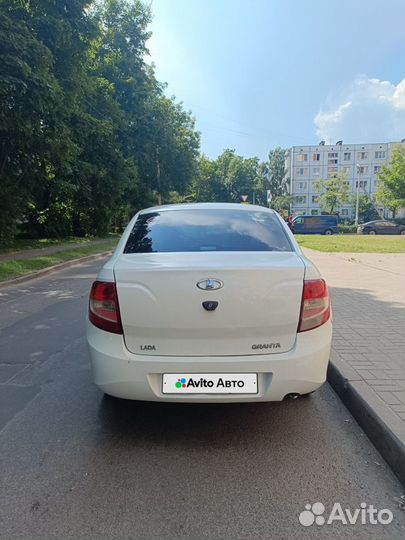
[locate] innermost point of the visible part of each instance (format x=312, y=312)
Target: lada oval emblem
x=210, y=284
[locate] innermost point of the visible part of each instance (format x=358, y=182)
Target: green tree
x=66, y=30
x=207, y=185
x=273, y=178
x=282, y=204
x=29, y=94
x=367, y=209
x=228, y=178
x=240, y=175
x=276, y=172
x=391, y=181
x=87, y=133
x=58, y=33
x=155, y=131
x=174, y=149
x=333, y=192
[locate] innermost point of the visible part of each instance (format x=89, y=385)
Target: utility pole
x=269, y=198
x=158, y=176
x=291, y=179
x=356, y=218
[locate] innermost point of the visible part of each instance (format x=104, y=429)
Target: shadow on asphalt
x=211, y=425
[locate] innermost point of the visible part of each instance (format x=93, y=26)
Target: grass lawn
x=353, y=244
x=18, y=267
x=25, y=244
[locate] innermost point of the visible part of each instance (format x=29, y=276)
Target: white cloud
x=367, y=110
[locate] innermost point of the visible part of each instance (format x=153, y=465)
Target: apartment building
x=361, y=162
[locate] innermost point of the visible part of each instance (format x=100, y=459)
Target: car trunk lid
x=162, y=310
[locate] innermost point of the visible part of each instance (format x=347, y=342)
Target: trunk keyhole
x=210, y=305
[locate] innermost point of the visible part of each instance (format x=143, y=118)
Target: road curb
x=54, y=268
x=381, y=425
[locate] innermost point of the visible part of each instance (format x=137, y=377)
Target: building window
x=300, y=199
x=347, y=156
x=380, y=154
x=362, y=155
x=332, y=171
x=344, y=212
x=332, y=161
x=316, y=171
x=346, y=169
x=332, y=155
x=363, y=183
x=314, y=212
x=302, y=186
x=302, y=171
x=363, y=169
x=302, y=157
x=314, y=199
x=377, y=169
x=316, y=157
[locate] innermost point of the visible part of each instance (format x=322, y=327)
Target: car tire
x=328, y=232
x=372, y=231
x=402, y=233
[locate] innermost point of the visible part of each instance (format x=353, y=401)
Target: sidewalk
x=41, y=252
x=368, y=299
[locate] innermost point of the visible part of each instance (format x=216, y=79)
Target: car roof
x=375, y=221
x=322, y=215
x=207, y=206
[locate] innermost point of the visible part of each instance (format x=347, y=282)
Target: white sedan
x=209, y=302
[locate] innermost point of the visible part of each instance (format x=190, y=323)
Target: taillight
x=315, y=306
x=103, y=307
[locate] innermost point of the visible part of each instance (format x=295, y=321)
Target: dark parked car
x=380, y=227
x=315, y=225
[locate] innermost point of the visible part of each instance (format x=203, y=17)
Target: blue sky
x=261, y=73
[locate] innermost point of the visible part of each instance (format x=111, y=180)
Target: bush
x=347, y=229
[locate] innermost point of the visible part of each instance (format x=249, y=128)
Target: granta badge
x=266, y=346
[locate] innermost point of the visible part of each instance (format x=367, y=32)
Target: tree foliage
x=227, y=178
x=29, y=93
x=333, y=192
x=282, y=204
x=367, y=209
x=391, y=181
x=87, y=135
x=273, y=178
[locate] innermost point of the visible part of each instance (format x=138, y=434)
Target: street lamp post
x=356, y=218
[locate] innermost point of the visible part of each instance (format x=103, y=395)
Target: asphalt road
x=77, y=465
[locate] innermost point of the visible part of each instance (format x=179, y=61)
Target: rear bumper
x=126, y=375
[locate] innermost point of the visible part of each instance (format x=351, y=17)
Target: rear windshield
x=207, y=230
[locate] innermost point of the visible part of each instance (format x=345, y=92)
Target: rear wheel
x=402, y=233
x=328, y=232
x=372, y=231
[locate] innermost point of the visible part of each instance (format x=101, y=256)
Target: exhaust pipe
x=293, y=395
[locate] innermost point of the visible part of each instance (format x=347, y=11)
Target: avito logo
x=207, y=383
x=366, y=514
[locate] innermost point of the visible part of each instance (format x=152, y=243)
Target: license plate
x=209, y=383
